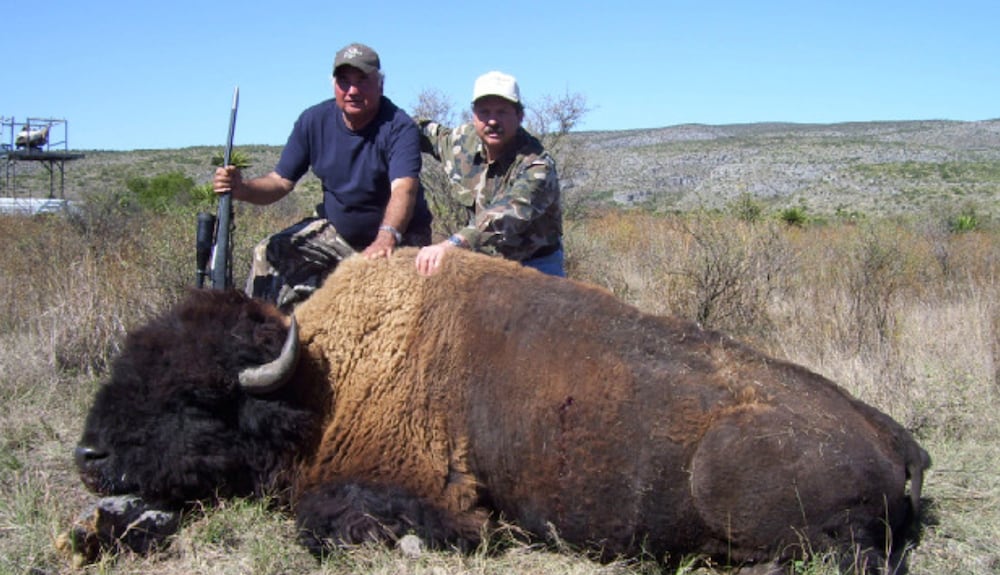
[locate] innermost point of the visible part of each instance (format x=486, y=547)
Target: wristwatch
x=395, y=233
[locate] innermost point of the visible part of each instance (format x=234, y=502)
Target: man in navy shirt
x=366, y=152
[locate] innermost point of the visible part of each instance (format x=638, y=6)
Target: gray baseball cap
x=359, y=56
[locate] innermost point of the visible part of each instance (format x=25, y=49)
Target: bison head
x=175, y=423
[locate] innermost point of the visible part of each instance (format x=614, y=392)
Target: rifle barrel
x=222, y=271
x=232, y=127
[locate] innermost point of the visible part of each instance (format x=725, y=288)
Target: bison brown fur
x=435, y=405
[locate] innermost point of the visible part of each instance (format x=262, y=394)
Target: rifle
x=215, y=233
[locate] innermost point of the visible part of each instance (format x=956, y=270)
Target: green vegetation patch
x=983, y=172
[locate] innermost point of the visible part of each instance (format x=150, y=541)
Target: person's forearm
x=403, y=198
x=263, y=190
x=397, y=215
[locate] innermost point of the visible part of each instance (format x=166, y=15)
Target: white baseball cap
x=496, y=84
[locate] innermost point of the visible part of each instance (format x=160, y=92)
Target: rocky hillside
x=883, y=167
x=864, y=167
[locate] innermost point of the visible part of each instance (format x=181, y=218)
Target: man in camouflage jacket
x=504, y=178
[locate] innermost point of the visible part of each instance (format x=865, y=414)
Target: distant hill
x=866, y=167
x=883, y=167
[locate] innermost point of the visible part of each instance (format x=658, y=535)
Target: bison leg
x=346, y=514
x=770, y=485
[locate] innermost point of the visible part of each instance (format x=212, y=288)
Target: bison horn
x=272, y=375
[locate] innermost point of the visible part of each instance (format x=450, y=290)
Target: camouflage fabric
x=289, y=265
x=513, y=203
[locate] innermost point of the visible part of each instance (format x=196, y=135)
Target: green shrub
x=746, y=208
x=794, y=216
x=964, y=222
x=237, y=158
x=203, y=195
x=162, y=191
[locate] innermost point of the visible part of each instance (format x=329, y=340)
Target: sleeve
x=294, y=160
x=435, y=139
x=505, y=226
x=404, y=150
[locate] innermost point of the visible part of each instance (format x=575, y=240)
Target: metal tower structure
x=41, y=140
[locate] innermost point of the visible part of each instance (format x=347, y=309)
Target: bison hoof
x=116, y=523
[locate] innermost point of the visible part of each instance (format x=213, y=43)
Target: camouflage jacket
x=513, y=203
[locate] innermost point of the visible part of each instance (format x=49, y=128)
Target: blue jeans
x=551, y=264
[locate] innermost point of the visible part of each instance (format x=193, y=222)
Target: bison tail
x=917, y=461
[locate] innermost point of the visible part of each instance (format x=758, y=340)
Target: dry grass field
x=902, y=311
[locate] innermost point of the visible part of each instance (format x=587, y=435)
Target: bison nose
x=86, y=456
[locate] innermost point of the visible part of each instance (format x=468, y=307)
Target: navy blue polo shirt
x=356, y=168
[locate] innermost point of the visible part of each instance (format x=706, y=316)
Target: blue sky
x=142, y=75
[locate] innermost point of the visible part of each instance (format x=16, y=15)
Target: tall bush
x=161, y=191
x=734, y=267
x=877, y=278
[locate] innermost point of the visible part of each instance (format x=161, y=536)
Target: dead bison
x=406, y=404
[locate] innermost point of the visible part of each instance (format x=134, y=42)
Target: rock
x=115, y=523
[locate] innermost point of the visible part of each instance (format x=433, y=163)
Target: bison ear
x=271, y=376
